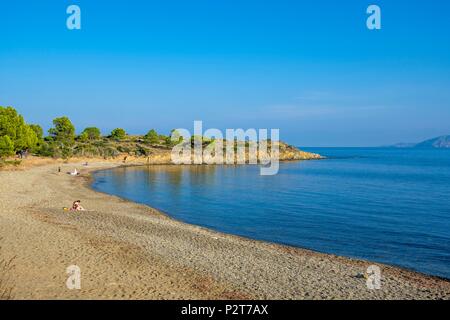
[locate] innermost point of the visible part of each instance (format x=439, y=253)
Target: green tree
x=26, y=139
x=9, y=122
x=63, y=136
x=38, y=131
x=63, y=130
x=92, y=133
x=6, y=146
x=152, y=137
x=13, y=125
x=118, y=134
x=39, y=136
x=48, y=149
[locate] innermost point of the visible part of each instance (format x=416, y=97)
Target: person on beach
x=76, y=206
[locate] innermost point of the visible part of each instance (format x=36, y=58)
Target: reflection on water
x=385, y=205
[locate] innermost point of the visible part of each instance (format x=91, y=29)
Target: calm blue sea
x=385, y=205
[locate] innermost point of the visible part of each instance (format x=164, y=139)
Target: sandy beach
x=130, y=251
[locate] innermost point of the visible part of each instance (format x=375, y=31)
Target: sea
x=386, y=205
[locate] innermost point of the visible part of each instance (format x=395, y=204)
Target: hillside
x=441, y=142
x=160, y=152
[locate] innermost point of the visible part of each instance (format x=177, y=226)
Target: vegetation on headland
x=19, y=138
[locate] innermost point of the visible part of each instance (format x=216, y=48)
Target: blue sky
x=310, y=68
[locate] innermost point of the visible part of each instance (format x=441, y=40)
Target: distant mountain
x=438, y=142
x=403, y=145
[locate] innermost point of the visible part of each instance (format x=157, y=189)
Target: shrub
x=109, y=152
x=152, y=137
x=92, y=133
x=141, y=151
x=118, y=134
x=47, y=149
x=83, y=137
x=124, y=149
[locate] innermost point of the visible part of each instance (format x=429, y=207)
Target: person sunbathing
x=77, y=206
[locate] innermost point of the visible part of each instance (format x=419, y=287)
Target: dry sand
x=130, y=251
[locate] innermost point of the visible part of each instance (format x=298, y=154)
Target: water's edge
x=90, y=180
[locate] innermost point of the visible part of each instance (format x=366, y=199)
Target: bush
x=109, y=152
x=141, y=151
x=86, y=150
x=124, y=149
x=91, y=133
x=83, y=137
x=118, y=134
x=47, y=149
x=152, y=137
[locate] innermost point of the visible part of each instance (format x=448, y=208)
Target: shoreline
x=89, y=179
x=227, y=266
x=167, y=215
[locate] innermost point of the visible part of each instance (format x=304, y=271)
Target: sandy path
x=126, y=250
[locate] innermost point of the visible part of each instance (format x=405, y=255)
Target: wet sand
x=130, y=251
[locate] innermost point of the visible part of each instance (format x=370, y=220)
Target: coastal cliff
x=288, y=152
x=137, y=150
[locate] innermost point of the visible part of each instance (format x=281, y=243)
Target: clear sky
x=310, y=68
